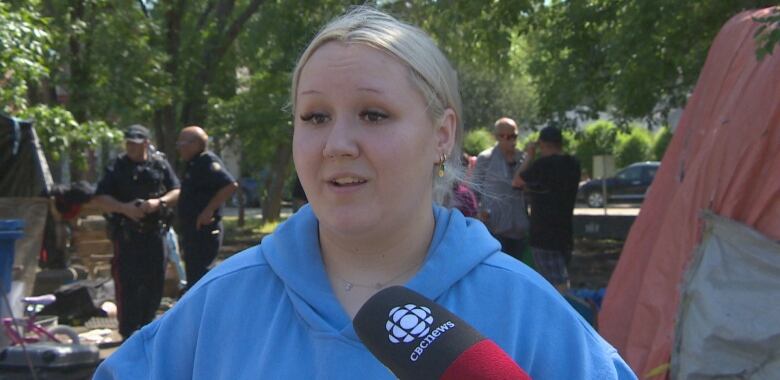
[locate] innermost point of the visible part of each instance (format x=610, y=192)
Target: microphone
x=418, y=339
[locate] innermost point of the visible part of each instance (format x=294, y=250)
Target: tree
x=477, y=140
x=598, y=138
x=24, y=43
x=488, y=95
x=633, y=146
x=486, y=51
x=471, y=33
x=768, y=34
x=105, y=64
x=26, y=59
x=634, y=58
x=198, y=38
x=661, y=141
x=259, y=112
x=59, y=132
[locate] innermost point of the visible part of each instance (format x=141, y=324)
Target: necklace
x=349, y=285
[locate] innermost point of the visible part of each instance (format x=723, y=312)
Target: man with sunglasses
x=502, y=208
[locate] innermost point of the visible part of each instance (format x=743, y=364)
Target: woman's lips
x=346, y=183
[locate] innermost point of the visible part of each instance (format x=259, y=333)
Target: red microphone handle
x=484, y=360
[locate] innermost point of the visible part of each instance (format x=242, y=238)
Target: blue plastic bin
x=10, y=230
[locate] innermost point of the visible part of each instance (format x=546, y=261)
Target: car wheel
x=595, y=199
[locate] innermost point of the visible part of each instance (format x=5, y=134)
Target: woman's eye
x=314, y=118
x=373, y=116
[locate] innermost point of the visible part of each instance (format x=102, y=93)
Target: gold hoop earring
x=442, y=159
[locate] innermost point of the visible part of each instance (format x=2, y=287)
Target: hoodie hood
x=458, y=245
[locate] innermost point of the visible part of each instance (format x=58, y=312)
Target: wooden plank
x=83, y=235
x=90, y=208
x=93, y=247
x=92, y=223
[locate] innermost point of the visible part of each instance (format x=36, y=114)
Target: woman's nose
x=342, y=139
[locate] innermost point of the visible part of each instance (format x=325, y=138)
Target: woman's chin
x=349, y=222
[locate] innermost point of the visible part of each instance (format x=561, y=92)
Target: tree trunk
x=165, y=118
x=79, y=76
x=241, y=206
x=192, y=103
x=194, y=110
x=280, y=170
x=168, y=133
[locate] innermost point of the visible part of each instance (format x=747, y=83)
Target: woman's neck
x=360, y=266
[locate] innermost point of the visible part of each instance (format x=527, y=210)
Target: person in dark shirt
x=551, y=182
x=206, y=185
x=137, y=191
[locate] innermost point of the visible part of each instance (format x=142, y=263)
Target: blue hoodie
x=269, y=312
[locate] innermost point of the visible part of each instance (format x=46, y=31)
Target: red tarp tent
x=725, y=159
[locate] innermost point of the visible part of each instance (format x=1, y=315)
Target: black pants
x=200, y=249
x=137, y=268
x=512, y=247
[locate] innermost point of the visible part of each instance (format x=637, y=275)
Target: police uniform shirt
x=204, y=176
x=127, y=180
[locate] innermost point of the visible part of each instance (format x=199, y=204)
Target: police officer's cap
x=136, y=133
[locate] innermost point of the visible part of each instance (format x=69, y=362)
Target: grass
x=250, y=233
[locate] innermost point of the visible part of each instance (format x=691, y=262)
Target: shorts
x=551, y=264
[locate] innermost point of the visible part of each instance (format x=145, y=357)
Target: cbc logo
x=408, y=322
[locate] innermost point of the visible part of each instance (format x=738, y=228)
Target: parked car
x=629, y=185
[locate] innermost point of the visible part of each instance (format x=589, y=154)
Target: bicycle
x=26, y=330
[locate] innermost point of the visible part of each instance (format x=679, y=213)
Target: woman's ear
x=445, y=132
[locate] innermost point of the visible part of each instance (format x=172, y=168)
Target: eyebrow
x=366, y=89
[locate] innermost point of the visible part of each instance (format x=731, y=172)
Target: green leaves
x=532, y=60
x=629, y=144
x=768, y=34
x=24, y=46
x=60, y=132
x=477, y=140
x=598, y=138
x=661, y=141
x=471, y=33
x=632, y=58
x=633, y=146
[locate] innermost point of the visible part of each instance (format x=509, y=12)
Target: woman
x=376, y=112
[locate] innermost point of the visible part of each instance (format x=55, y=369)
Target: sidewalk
x=253, y=213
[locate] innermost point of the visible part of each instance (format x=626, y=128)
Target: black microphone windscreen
x=412, y=335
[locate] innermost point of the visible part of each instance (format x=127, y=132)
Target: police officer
x=206, y=185
x=138, y=191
